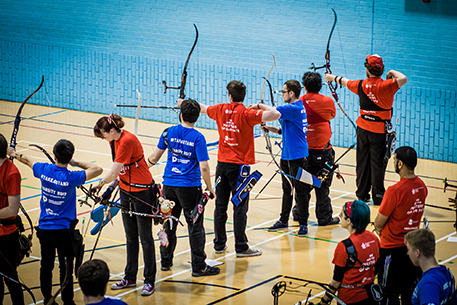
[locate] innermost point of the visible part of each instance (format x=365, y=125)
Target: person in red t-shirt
x=400, y=212
x=135, y=182
x=10, y=197
x=376, y=97
x=320, y=109
x=350, y=282
x=235, y=124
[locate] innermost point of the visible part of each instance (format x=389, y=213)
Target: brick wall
x=96, y=55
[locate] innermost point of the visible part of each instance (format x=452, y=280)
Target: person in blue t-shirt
x=93, y=278
x=58, y=211
x=187, y=163
x=294, y=127
x=437, y=285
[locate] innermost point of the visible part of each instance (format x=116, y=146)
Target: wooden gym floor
x=242, y=280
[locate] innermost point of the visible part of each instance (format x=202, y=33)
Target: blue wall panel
x=96, y=55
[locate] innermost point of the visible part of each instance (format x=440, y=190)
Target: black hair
x=3, y=146
x=63, y=150
x=407, y=155
x=93, y=276
x=190, y=110
x=237, y=90
x=375, y=72
x=312, y=82
x=294, y=86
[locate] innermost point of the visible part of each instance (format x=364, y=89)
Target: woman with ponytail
x=135, y=182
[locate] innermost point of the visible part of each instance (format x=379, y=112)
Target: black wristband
x=280, y=131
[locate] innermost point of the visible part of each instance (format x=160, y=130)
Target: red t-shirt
x=235, y=124
x=382, y=93
x=319, y=133
x=404, y=204
x=10, y=184
x=129, y=150
x=367, y=246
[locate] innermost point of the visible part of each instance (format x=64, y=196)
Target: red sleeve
x=387, y=90
x=341, y=256
x=254, y=117
x=353, y=85
x=388, y=202
x=13, y=184
x=212, y=111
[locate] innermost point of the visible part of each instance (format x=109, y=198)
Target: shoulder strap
x=113, y=151
x=352, y=254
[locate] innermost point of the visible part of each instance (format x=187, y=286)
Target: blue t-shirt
x=110, y=301
x=183, y=168
x=58, y=195
x=435, y=288
x=294, y=129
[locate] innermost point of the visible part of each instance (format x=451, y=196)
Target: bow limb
x=17, y=121
x=184, y=71
x=137, y=115
x=266, y=133
x=323, y=285
x=44, y=152
x=266, y=79
x=66, y=280
x=21, y=284
x=332, y=87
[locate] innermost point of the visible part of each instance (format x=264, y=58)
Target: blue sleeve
x=38, y=169
x=161, y=145
x=201, y=149
x=288, y=112
x=78, y=178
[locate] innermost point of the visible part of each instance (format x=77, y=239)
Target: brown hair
x=422, y=239
x=105, y=123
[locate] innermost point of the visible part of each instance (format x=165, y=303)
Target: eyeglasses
x=285, y=91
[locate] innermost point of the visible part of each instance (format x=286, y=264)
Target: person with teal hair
x=355, y=257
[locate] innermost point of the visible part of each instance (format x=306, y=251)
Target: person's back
x=400, y=212
x=93, y=278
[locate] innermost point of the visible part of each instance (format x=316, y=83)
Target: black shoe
x=208, y=270
x=166, y=268
x=332, y=221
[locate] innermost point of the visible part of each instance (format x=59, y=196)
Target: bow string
x=266, y=133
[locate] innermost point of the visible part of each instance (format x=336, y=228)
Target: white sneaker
x=249, y=252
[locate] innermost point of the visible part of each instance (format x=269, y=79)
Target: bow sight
x=332, y=167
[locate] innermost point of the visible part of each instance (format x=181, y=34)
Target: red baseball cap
x=375, y=61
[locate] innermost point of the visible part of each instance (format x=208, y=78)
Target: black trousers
x=9, y=246
x=50, y=241
x=401, y=275
x=302, y=191
x=370, y=168
x=317, y=159
x=137, y=227
x=185, y=198
x=229, y=173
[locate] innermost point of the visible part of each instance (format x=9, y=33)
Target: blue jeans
x=185, y=198
x=229, y=173
x=139, y=227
